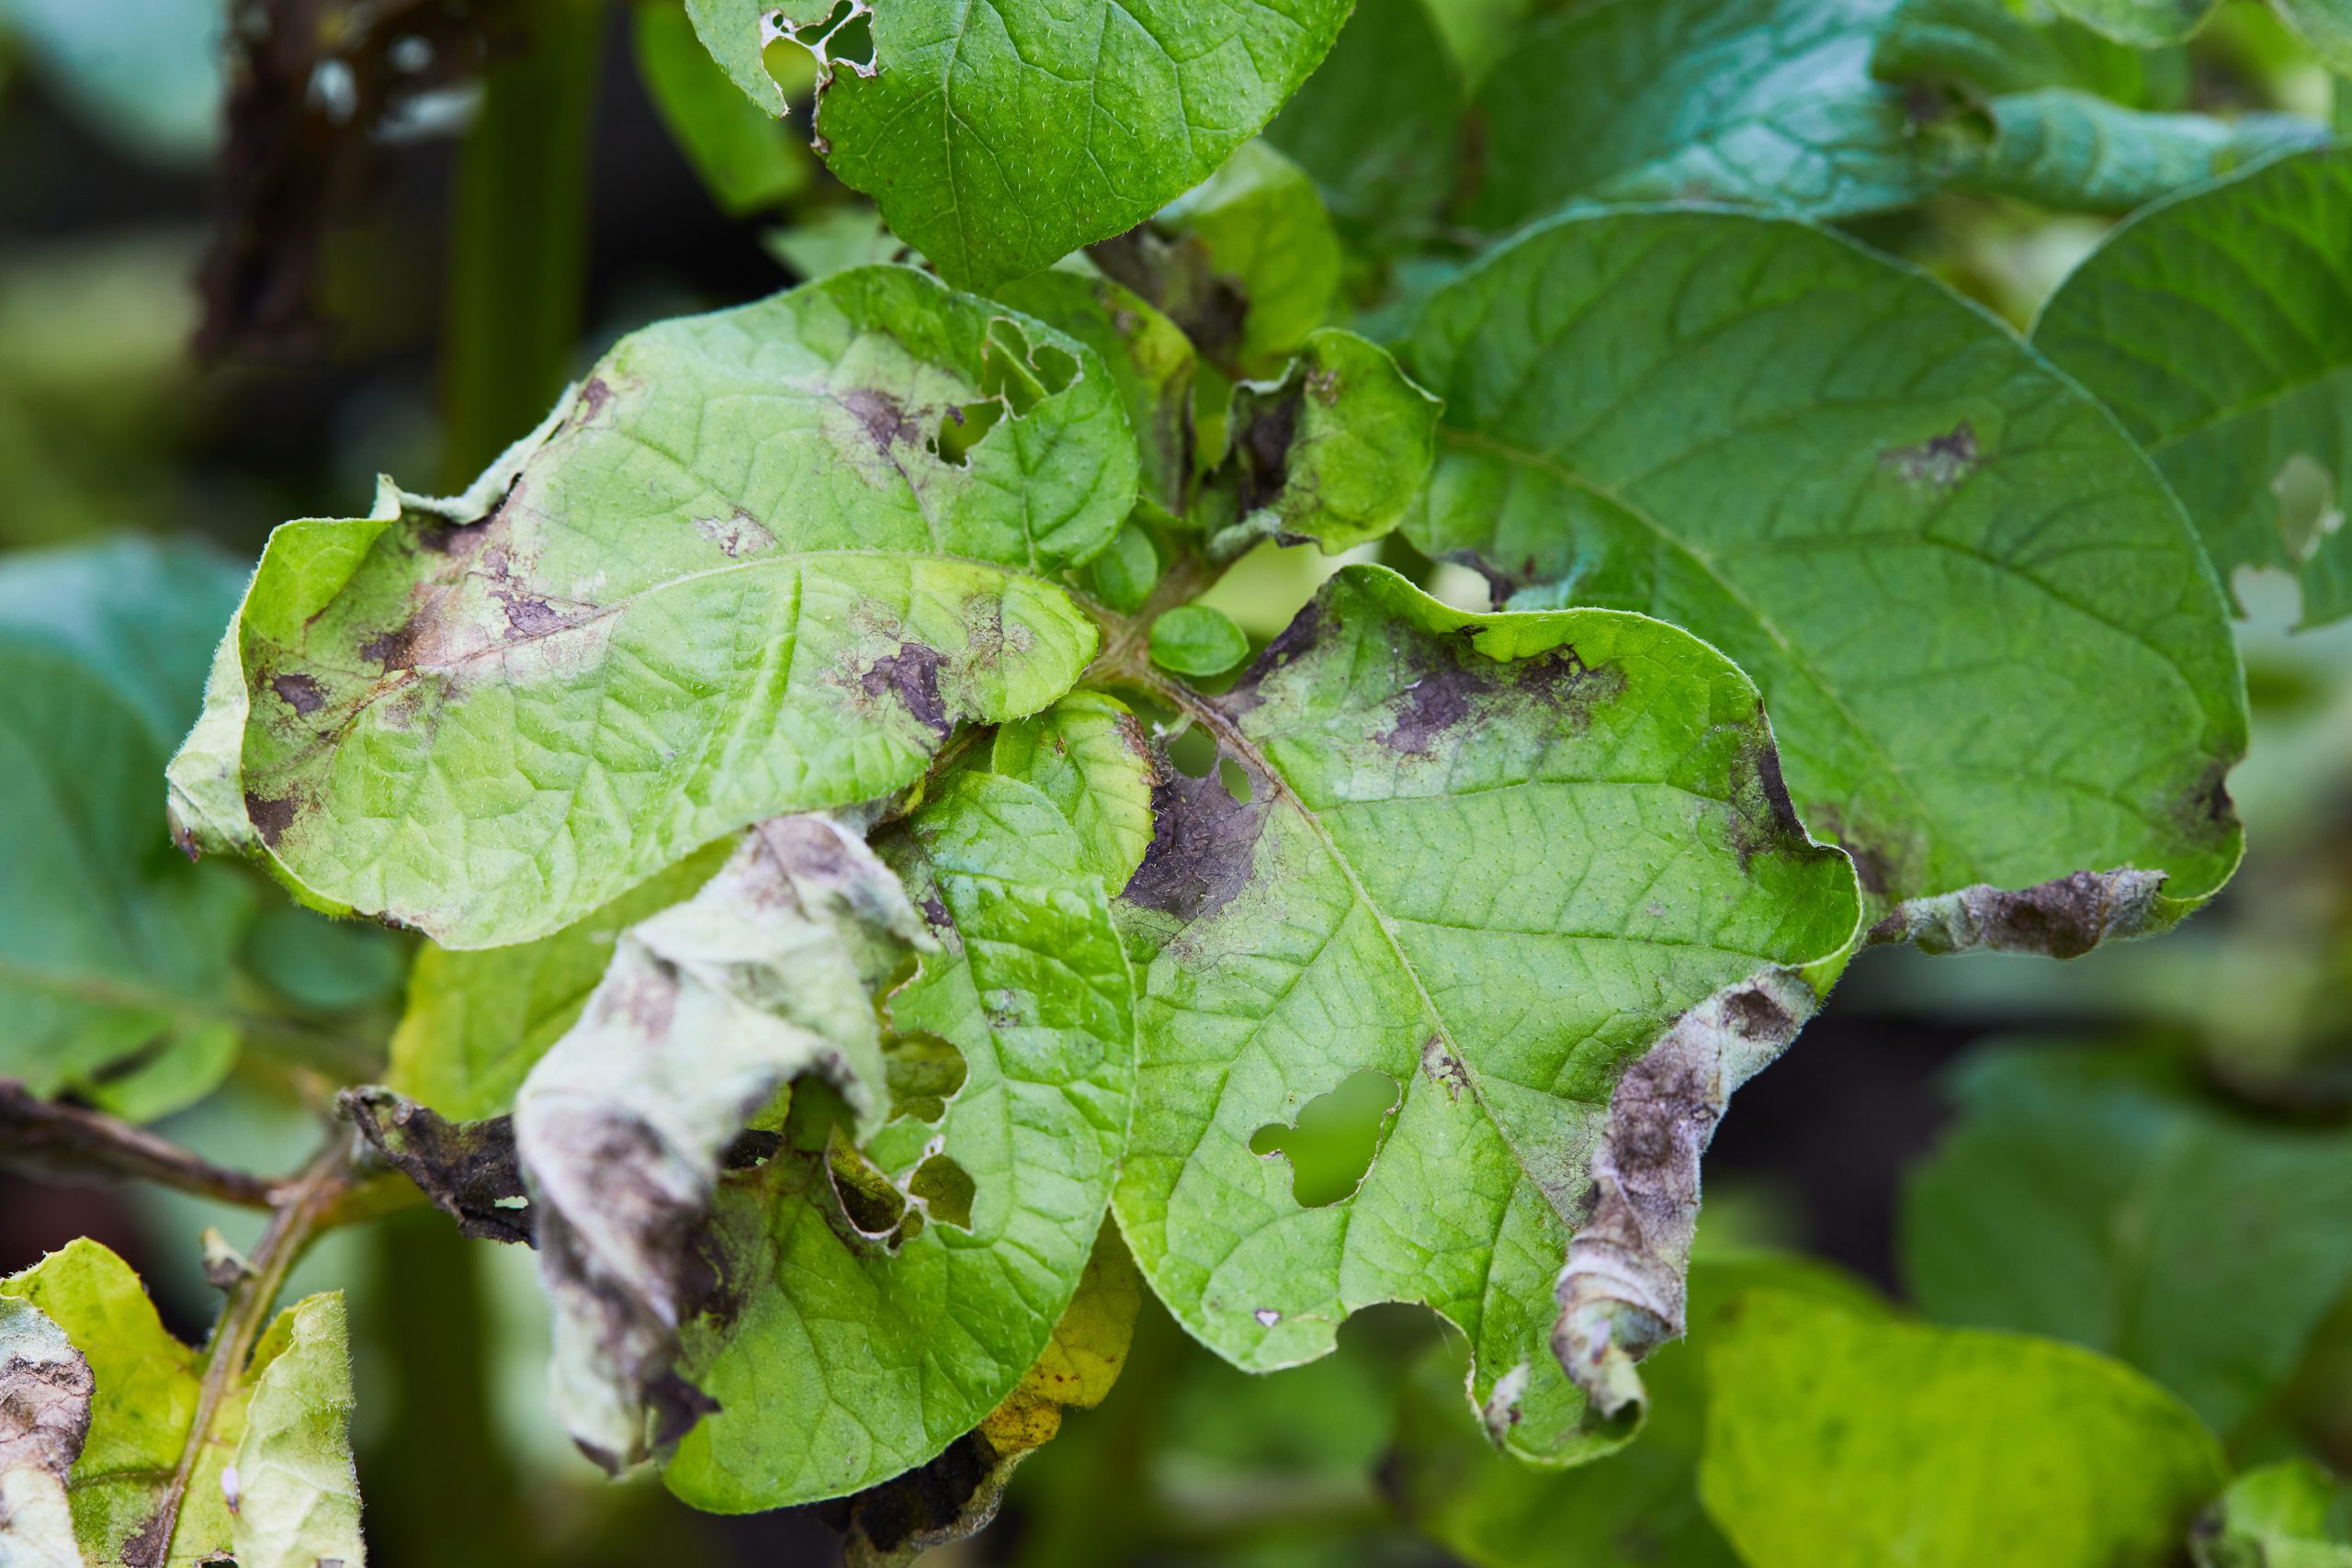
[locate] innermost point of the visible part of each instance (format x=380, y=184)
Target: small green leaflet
x=1199, y=640
x=998, y=138
x=269, y=1481
x=1998, y=664
x=2288, y=1513
x=1904, y=1436
x=758, y=564
x=2085, y=1195
x=1089, y=756
x=1756, y=102
x=2217, y=326
x=881, y=1304
x=1333, y=451
x=1537, y=871
x=748, y=159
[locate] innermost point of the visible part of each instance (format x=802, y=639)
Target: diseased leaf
x=2064, y=149
x=476, y=1022
x=1246, y=266
x=2290, y=1514
x=999, y=139
x=269, y=1481
x=1938, y=1448
x=2217, y=326
x=469, y=1170
x=957, y=1494
x=709, y=1009
x=1767, y=103
x=1197, y=639
x=1633, y=1508
x=2143, y=24
x=1537, y=872
x=1087, y=755
x=757, y=566
x=1150, y=360
x=1379, y=124
x=1333, y=451
x=872, y=1307
x=45, y=1397
x=2084, y=1196
x=749, y=161
x=835, y=240
x=1998, y=664
x=115, y=955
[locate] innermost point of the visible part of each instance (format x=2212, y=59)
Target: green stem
x=519, y=230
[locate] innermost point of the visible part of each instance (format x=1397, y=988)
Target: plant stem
x=519, y=230
x=45, y=1139
x=293, y=1224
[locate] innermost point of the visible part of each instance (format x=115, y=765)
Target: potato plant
x=882, y=921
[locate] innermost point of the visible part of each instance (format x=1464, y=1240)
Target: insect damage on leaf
x=469, y=1170
x=770, y=972
x=1490, y=863
x=532, y=665
x=1621, y=1292
x=45, y=1397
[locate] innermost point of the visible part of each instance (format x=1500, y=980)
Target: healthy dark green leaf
x=1379, y=126
x=485, y=716
x=1938, y=1448
x=2217, y=326
x=998, y=138
x=1767, y=103
x=1999, y=667
x=2084, y=1196
x=1535, y=871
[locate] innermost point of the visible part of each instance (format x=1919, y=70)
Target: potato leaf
x=1998, y=664
x=1531, y=879
x=998, y=138
x=764, y=561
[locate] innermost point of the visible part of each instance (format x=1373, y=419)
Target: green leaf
x=999, y=140
x=1123, y=576
x=1150, y=360
x=486, y=717
x=767, y=974
x=1835, y=1438
x=2068, y=150
x=880, y=1308
x=477, y=1022
x=115, y=954
x=2217, y=327
x=1767, y=103
x=1379, y=126
x=268, y=1480
x=1334, y=451
x=1984, y=46
x=2000, y=671
x=2142, y=24
x=2278, y=1516
x=2084, y=1197
x=835, y=240
x=748, y=159
x=1245, y=264
x=1633, y=1508
x=1087, y=755
x=1197, y=639
x=956, y=1495
x=1537, y=873
x=2325, y=25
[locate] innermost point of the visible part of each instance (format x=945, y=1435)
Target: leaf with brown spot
x=1531, y=867
x=732, y=579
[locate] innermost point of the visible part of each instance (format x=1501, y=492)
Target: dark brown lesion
x=1203, y=840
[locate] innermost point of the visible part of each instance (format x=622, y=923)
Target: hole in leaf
x=1235, y=778
x=2308, y=507
x=961, y=427
x=923, y=1072
x=1056, y=370
x=852, y=43
x=1192, y=752
x=1331, y=1146
x=946, y=1189
x=870, y=1200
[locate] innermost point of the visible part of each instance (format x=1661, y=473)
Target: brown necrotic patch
x=1763, y=819
x=1203, y=842
x=270, y=817
x=912, y=675
x=1450, y=684
x=298, y=692
x=1941, y=462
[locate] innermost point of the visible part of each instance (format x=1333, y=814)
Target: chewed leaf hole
x=961, y=427
x=923, y=1072
x=1331, y=1144
x=1235, y=778
x=945, y=1189
x=2309, y=505
x=840, y=36
x=1192, y=752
